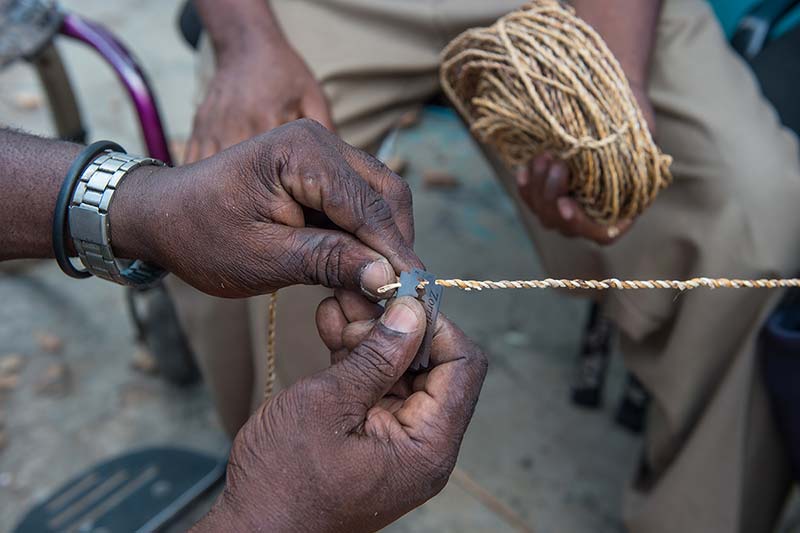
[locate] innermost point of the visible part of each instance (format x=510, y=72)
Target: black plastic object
x=190, y=24
x=780, y=356
x=159, y=330
x=592, y=364
x=136, y=492
x=777, y=68
x=632, y=410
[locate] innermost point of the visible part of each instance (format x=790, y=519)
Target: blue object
x=730, y=12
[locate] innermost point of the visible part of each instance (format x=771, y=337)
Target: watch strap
x=89, y=220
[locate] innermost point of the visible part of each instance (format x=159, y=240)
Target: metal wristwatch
x=89, y=223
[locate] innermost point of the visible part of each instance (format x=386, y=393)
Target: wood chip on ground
x=439, y=179
x=49, y=342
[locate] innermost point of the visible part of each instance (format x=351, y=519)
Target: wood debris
x=28, y=101
x=55, y=380
x=9, y=383
x=410, y=118
x=439, y=179
x=49, y=342
x=143, y=361
x=11, y=364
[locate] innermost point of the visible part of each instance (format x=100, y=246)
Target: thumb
x=382, y=358
x=331, y=258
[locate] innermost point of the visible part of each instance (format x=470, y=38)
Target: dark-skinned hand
x=254, y=91
x=544, y=187
x=242, y=222
x=358, y=445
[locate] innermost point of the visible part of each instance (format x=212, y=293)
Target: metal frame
x=130, y=74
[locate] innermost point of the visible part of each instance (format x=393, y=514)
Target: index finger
x=323, y=179
x=390, y=186
x=451, y=388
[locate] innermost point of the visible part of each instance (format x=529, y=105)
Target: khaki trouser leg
x=219, y=334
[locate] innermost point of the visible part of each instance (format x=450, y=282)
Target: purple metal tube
x=130, y=74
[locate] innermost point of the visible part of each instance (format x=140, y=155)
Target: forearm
x=235, y=26
x=629, y=29
x=31, y=172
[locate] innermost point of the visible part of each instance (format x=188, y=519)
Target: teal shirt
x=730, y=12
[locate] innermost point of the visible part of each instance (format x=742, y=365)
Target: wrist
x=238, y=28
x=250, y=43
x=134, y=215
x=230, y=514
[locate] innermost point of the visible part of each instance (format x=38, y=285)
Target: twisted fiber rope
x=542, y=80
x=271, y=327
x=609, y=284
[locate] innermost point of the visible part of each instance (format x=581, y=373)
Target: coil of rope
x=542, y=80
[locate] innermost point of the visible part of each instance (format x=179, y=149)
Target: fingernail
x=375, y=275
x=557, y=172
x=565, y=208
x=553, y=184
x=400, y=317
x=522, y=177
x=613, y=232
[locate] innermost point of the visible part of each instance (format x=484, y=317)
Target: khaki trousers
x=712, y=460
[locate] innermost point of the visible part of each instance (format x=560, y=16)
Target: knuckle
x=402, y=191
x=374, y=360
x=330, y=265
x=376, y=211
x=309, y=126
x=329, y=261
x=295, y=132
x=318, y=260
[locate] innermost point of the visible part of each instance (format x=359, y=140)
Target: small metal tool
x=430, y=294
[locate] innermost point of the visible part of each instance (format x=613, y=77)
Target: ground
x=78, y=400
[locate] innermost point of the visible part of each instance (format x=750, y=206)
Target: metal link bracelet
x=89, y=222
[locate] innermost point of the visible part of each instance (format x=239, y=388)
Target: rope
x=542, y=80
x=492, y=502
x=609, y=284
x=271, y=327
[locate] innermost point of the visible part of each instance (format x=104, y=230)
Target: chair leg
x=592, y=363
x=57, y=87
x=632, y=410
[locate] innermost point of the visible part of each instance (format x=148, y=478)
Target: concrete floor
x=558, y=468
